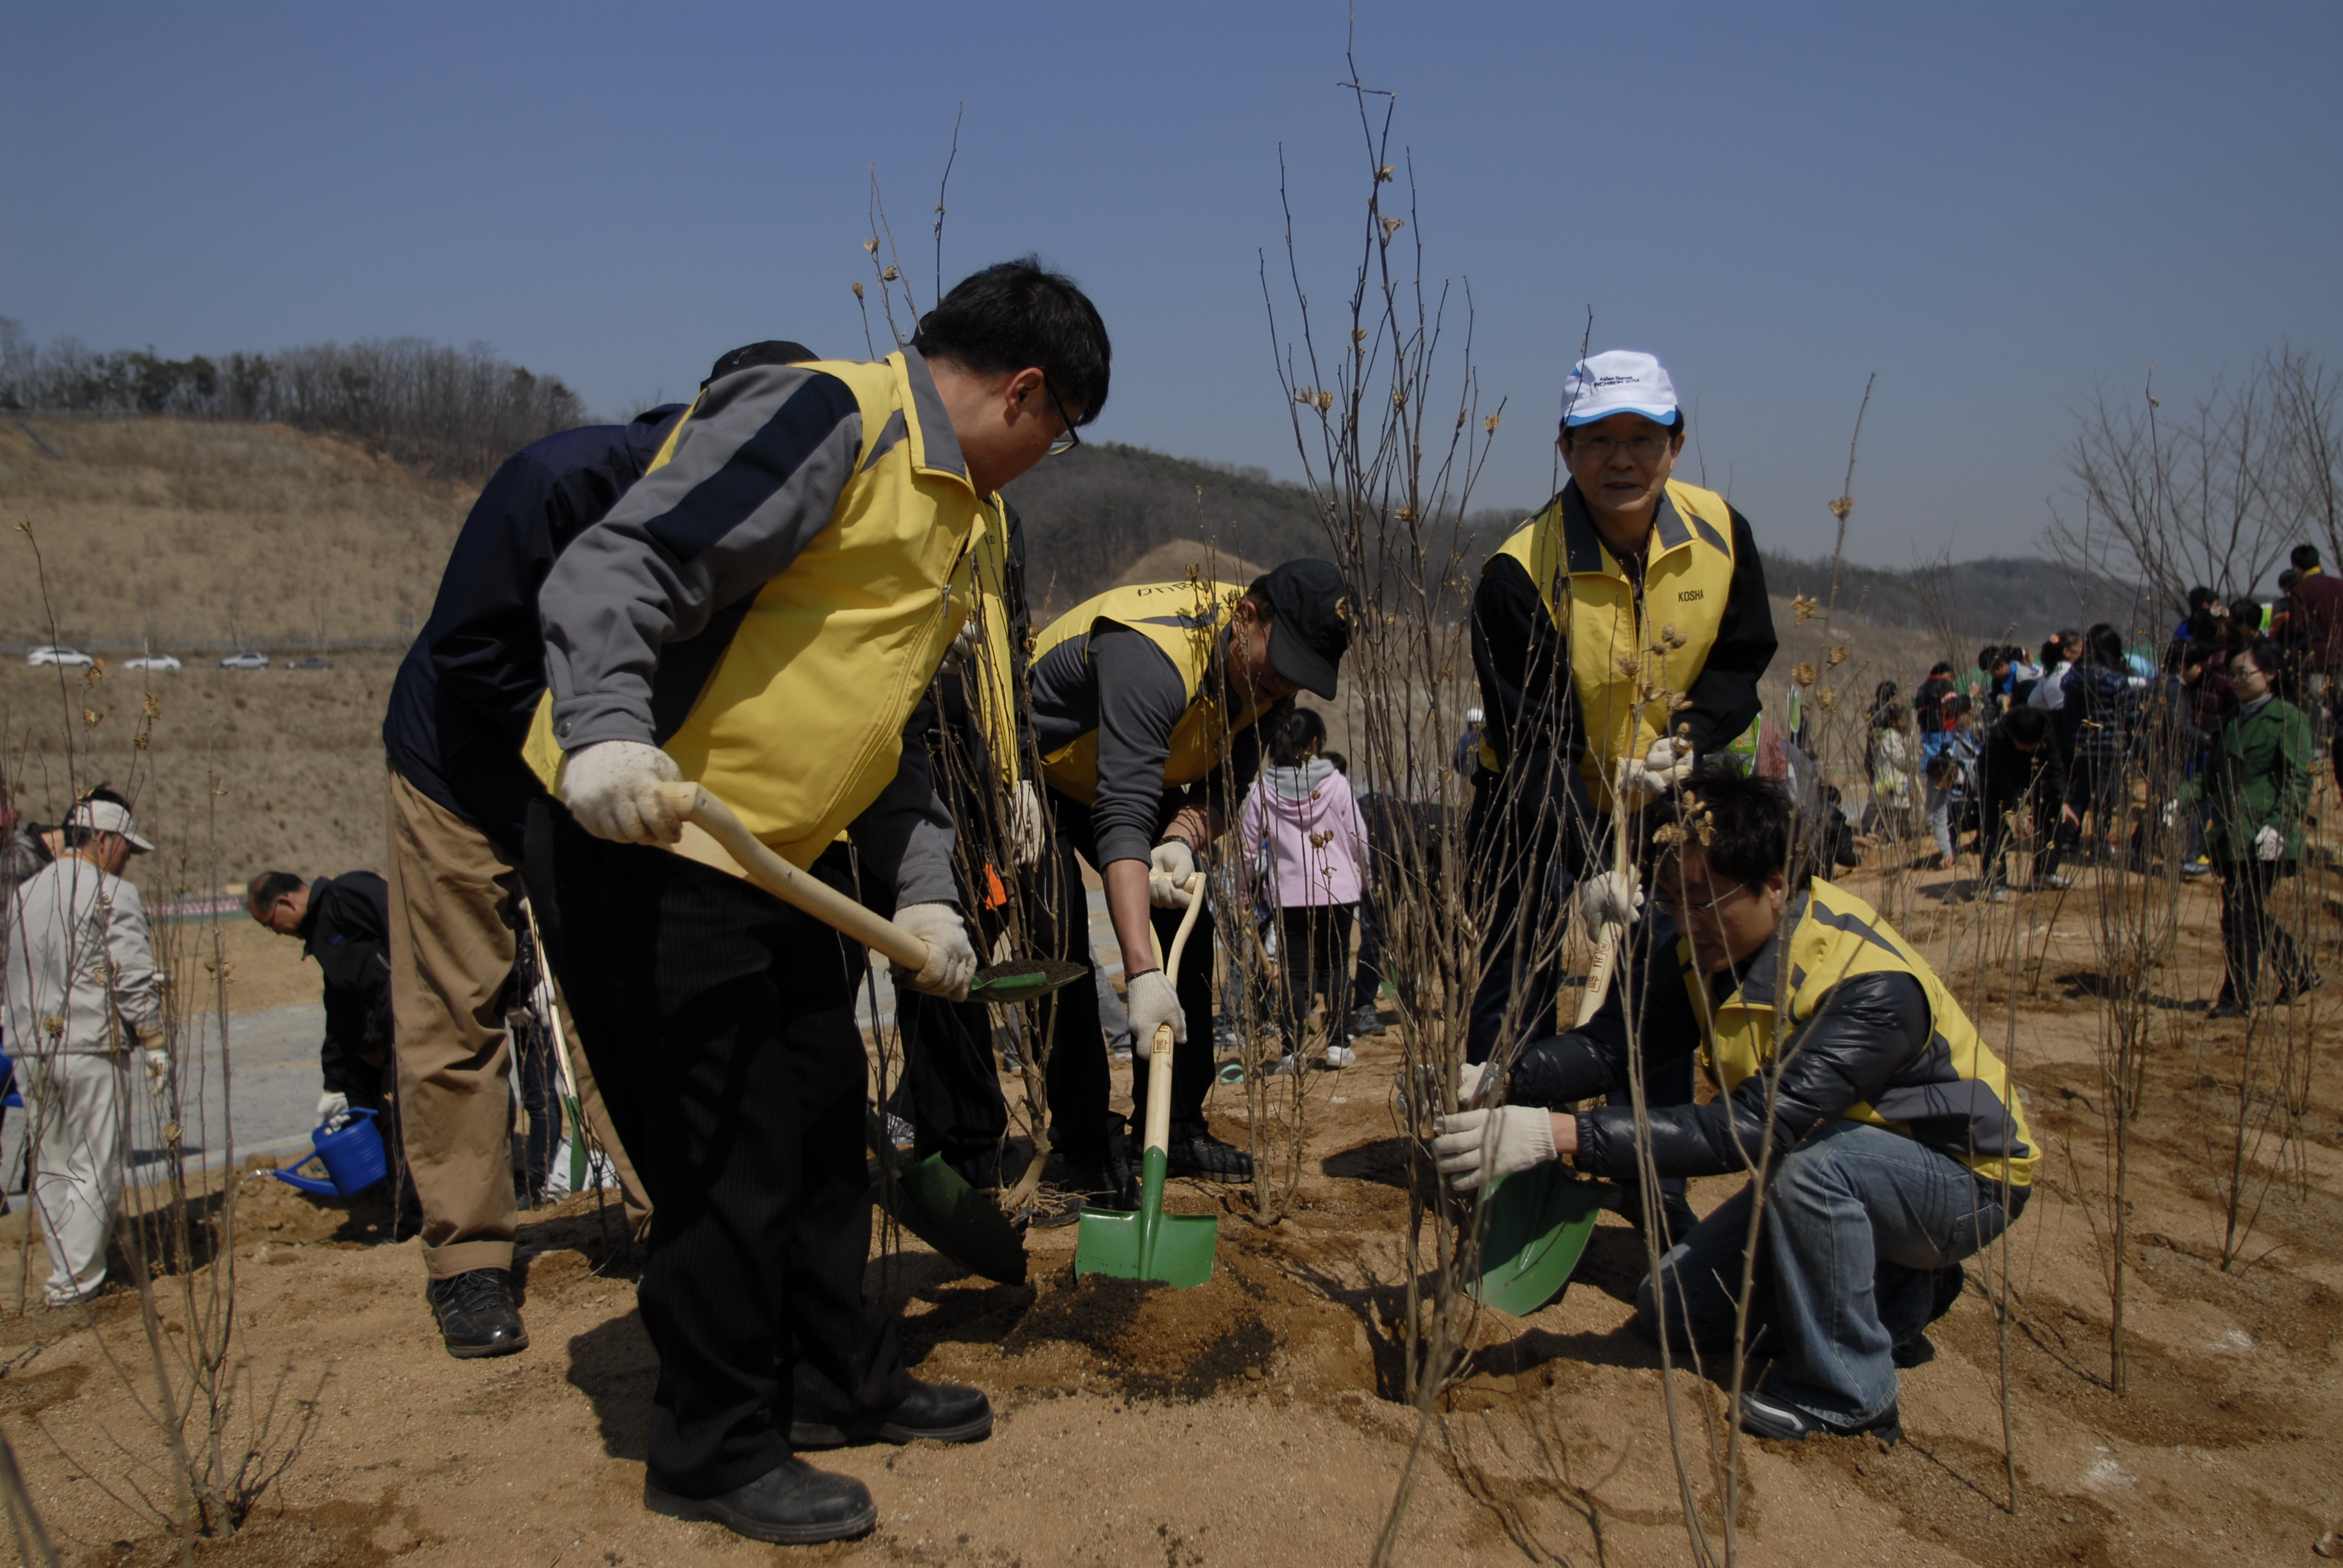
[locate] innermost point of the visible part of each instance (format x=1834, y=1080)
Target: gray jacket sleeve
x=905, y=836
x=757, y=471
x=1141, y=700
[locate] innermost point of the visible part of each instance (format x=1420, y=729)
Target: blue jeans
x=1857, y=1221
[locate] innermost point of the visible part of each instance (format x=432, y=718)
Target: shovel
x=1018, y=979
x=1538, y=1223
x=927, y=1197
x=1174, y=1249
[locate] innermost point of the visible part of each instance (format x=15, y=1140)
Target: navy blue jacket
x=462, y=703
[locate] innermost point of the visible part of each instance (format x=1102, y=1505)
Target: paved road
x=273, y=1076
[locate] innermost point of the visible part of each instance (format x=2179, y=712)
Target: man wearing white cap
x=1627, y=623
x=81, y=994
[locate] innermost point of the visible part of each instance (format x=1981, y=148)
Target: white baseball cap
x=105, y=817
x=1618, y=381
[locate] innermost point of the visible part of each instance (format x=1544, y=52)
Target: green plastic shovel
x=934, y=1202
x=1149, y=1244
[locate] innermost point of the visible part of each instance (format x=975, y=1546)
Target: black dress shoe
x=938, y=1411
x=1193, y=1151
x=791, y=1505
x=476, y=1313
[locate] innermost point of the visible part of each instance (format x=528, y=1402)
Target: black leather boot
x=938, y=1411
x=476, y=1313
x=1194, y=1152
x=793, y=1504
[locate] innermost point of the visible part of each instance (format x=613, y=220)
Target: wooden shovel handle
x=825, y=903
x=1159, y=1049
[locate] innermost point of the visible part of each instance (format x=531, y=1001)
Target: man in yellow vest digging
x=1885, y=1136
x=1146, y=706
x=760, y=613
x=1627, y=623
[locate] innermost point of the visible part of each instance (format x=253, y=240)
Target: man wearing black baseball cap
x=1146, y=701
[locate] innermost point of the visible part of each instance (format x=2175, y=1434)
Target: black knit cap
x=1310, y=610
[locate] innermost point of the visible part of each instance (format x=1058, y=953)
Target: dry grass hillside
x=205, y=535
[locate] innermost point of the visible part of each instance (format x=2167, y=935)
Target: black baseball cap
x=1310, y=606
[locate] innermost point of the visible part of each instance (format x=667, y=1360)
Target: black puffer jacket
x=1866, y=1028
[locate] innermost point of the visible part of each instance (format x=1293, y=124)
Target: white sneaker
x=1284, y=1065
x=1339, y=1056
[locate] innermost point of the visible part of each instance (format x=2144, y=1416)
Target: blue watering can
x=353, y=1158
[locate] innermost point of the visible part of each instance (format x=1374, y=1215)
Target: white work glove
x=159, y=1062
x=1468, y=1081
x=2171, y=813
x=1666, y=764
x=1027, y=835
x=330, y=1104
x=612, y=788
x=968, y=638
x=2269, y=844
x=1153, y=999
x=1610, y=899
x=1170, y=865
x=951, y=962
x=1476, y=1146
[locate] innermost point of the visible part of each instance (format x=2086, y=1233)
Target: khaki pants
x=451, y=953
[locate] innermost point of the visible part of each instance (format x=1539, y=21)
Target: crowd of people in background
x=2084, y=749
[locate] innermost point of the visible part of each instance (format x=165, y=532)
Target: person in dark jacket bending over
x=762, y=614
x=344, y=923
x=458, y=807
x=1894, y=1146
x=1147, y=709
x=1630, y=593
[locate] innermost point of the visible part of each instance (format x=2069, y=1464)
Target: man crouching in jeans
x=1896, y=1146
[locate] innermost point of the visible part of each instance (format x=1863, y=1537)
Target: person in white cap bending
x=1627, y=623
x=82, y=995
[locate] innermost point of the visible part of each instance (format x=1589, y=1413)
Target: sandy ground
x=1251, y=1420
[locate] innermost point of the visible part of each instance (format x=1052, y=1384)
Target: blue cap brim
x=1656, y=416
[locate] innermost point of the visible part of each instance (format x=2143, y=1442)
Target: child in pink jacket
x=1306, y=848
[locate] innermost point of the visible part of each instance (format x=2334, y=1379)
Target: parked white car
x=58, y=655
x=152, y=661
x=244, y=661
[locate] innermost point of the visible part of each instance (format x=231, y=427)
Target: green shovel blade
x=1535, y=1229
x=934, y=1202
x=1175, y=1250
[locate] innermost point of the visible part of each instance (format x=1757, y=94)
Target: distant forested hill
x=1092, y=515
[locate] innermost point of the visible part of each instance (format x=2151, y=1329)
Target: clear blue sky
x=1992, y=206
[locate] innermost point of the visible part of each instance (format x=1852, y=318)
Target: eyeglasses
x=1643, y=448
x=1674, y=903
x=1068, y=438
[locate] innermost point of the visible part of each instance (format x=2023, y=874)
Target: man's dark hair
x=2260, y=650
x=1293, y=736
x=270, y=886
x=76, y=834
x=2026, y=725
x=1674, y=427
x=2305, y=557
x=2200, y=598
x=1939, y=668
x=1742, y=823
x=2286, y=579
x=1017, y=313
x=2103, y=646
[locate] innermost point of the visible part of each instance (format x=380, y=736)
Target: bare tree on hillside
x=2212, y=496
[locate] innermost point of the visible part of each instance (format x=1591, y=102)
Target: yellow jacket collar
x=935, y=447
x=1584, y=548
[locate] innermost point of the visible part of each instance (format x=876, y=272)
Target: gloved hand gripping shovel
x=927, y=1197
x=1175, y=1248
x=1535, y=1225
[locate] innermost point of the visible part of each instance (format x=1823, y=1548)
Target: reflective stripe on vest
x=1630, y=659
x=799, y=727
x=1185, y=619
x=1955, y=1099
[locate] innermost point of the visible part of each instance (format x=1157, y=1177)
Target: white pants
x=77, y=1128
